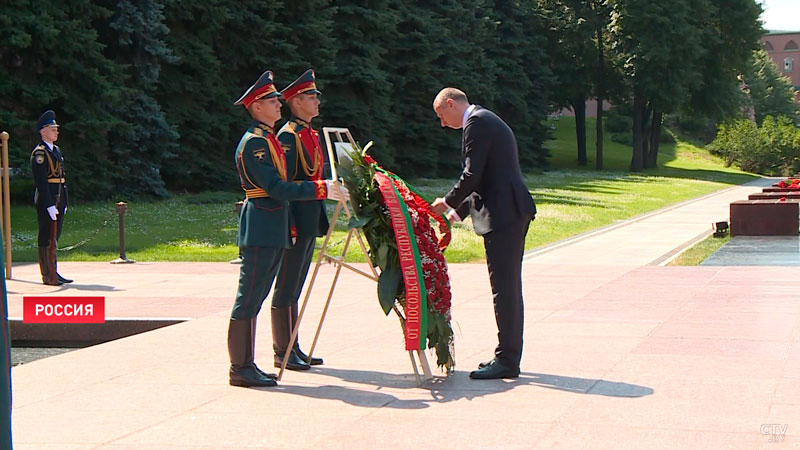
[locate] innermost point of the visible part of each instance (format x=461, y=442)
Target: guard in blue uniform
x=50, y=196
x=304, y=162
x=264, y=224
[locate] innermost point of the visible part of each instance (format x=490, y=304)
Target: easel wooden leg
x=426, y=368
x=414, y=366
x=302, y=311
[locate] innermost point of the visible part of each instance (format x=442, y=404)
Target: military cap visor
x=262, y=88
x=305, y=84
x=47, y=119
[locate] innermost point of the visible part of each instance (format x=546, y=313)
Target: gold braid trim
x=278, y=159
x=310, y=171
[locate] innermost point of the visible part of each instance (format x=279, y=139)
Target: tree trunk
x=579, y=106
x=655, y=134
x=599, y=142
x=637, y=160
x=646, y=132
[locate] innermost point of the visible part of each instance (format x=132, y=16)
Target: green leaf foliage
x=388, y=285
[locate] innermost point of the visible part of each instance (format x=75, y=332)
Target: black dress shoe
x=56, y=283
x=304, y=357
x=493, y=371
x=294, y=362
x=249, y=377
x=274, y=376
x=62, y=279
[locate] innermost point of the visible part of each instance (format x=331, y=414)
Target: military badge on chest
x=259, y=154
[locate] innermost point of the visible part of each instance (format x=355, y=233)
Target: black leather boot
x=47, y=268
x=281, y=332
x=253, y=322
x=300, y=354
x=241, y=349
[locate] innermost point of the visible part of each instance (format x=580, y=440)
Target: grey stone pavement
x=620, y=352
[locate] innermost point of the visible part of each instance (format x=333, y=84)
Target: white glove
x=52, y=211
x=333, y=192
x=65, y=210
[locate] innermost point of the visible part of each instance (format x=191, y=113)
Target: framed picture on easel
x=339, y=142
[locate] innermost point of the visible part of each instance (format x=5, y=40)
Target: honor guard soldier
x=49, y=195
x=304, y=161
x=264, y=224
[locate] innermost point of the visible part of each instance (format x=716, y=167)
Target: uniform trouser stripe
x=256, y=274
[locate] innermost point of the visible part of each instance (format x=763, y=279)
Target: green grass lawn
x=700, y=251
x=570, y=200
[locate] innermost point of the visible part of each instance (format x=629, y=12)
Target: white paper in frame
x=338, y=141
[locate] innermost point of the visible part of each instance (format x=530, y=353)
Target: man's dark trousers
x=504, y=249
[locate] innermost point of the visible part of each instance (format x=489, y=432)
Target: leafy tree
x=144, y=141
x=50, y=59
x=572, y=59
x=770, y=93
x=659, y=43
x=730, y=31
x=358, y=93
x=523, y=77
x=217, y=58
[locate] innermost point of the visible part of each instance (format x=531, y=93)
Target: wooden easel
x=342, y=135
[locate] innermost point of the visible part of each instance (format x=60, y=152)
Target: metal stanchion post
x=6, y=205
x=238, y=209
x=120, y=209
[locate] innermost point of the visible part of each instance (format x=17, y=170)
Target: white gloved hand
x=65, y=210
x=333, y=192
x=52, y=211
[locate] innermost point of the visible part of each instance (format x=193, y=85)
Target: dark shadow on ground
x=447, y=389
x=90, y=287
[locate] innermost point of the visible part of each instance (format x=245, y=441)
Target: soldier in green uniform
x=304, y=161
x=50, y=196
x=264, y=224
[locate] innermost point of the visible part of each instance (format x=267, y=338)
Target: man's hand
x=439, y=206
x=53, y=212
x=452, y=216
x=333, y=192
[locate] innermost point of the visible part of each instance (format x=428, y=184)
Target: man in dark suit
x=264, y=224
x=492, y=191
x=50, y=196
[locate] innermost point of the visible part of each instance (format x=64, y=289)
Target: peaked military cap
x=262, y=88
x=304, y=85
x=47, y=119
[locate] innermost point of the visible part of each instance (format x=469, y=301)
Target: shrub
x=616, y=122
x=772, y=149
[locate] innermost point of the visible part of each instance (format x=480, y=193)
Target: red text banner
x=63, y=309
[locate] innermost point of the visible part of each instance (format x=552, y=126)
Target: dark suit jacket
x=490, y=188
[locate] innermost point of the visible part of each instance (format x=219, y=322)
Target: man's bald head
x=449, y=106
x=451, y=93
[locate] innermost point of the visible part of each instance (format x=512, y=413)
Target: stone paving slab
x=757, y=251
x=618, y=354
x=590, y=372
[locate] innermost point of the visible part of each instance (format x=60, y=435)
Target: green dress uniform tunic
x=304, y=162
x=265, y=222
